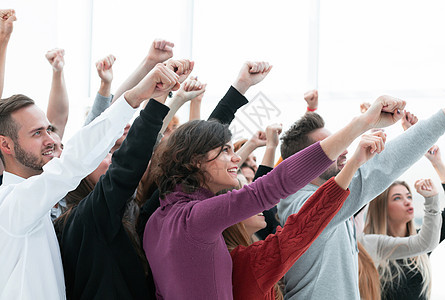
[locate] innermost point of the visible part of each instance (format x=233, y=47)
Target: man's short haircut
x=8, y=127
x=297, y=137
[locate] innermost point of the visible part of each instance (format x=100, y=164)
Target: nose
x=49, y=140
x=345, y=152
x=236, y=158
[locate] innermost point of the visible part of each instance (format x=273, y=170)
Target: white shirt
x=30, y=261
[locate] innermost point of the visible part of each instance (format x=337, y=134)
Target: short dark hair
x=8, y=127
x=185, y=149
x=297, y=137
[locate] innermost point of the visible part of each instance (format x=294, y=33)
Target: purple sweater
x=183, y=239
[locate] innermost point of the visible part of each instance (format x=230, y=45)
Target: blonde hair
x=368, y=277
x=391, y=270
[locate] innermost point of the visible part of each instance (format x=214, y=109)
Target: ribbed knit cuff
x=335, y=191
x=312, y=156
x=432, y=205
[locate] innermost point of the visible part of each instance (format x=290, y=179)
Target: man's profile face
x=34, y=146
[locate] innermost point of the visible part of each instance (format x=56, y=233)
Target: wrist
x=361, y=124
x=312, y=108
x=105, y=89
x=149, y=63
x=271, y=147
x=241, y=86
x=132, y=98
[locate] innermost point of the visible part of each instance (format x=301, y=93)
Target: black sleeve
x=442, y=229
x=150, y=206
x=262, y=170
x=225, y=111
x=269, y=215
x=105, y=205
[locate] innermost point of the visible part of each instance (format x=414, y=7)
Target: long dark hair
x=185, y=149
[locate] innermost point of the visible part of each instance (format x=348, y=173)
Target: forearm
x=336, y=144
x=195, y=110
x=3, y=47
x=58, y=104
x=245, y=151
x=174, y=105
x=269, y=156
x=143, y=69
x=343, y=179
x=440, y=170
x=105, y=89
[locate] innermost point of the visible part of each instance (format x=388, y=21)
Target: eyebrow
x=399, y=194
x=50, y=127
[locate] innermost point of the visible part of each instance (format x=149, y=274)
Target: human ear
x=6, y=145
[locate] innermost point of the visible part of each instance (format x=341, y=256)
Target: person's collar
x=9, y=178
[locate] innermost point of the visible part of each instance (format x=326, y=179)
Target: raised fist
x=56, y=59
x=104, y=68
x=7, y=17
x=160, y=51
x=311, y=97
x=425, y=187
x=408, y=120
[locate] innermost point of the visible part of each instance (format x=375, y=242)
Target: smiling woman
x=184, y=236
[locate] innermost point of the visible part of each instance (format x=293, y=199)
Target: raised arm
x=58, y=103
x=388, y=247
x=160, y=51
x=292, y=174
x=250, y=74
x=7, y=17
x=267, y=261
x=257, y=140
x=195, y=103
x=103, y=98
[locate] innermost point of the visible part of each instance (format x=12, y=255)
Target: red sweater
x=258, y=267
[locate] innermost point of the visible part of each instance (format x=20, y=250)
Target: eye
x=226, y=149
x=396, y=198
x=410, y=197
x=37, y=133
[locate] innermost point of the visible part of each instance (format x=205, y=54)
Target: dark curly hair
x=184, y=151
x=297, y=137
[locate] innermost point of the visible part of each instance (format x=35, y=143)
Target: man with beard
x=34, y=180
x=329, y=268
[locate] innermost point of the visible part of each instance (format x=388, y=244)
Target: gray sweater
x=329, y=268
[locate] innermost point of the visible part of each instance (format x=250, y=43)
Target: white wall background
x=351, y=51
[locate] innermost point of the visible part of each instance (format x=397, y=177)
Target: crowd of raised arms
x=161, y=210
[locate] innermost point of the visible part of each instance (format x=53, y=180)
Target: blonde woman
x=399, y=253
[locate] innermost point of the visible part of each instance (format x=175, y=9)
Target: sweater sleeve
x=227, y=209
x=105, y=206
x=225, y=111
x=267, y=261
x=442, y=230
x=382, y=247
x=100, y=104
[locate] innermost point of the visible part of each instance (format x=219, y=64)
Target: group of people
x=155, y=209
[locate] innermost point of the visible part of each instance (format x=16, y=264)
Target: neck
x=20, y=170
x=397, y=230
